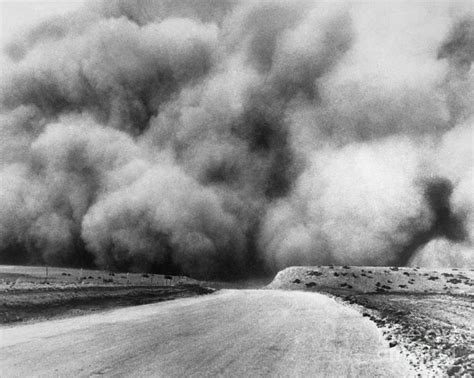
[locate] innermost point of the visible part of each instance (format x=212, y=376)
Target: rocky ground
x=426, y=314
x=433, y=331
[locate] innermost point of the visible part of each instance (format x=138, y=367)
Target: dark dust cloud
x=233, y=138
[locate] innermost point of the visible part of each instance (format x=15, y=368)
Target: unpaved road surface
x=235, y=333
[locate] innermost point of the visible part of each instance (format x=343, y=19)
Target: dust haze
x=236, y=138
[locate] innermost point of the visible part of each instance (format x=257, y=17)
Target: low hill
x=375, y=279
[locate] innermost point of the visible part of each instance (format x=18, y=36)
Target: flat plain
x=423, y=316
x=29, y=293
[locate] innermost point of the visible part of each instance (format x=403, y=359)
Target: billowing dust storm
x=232, y=138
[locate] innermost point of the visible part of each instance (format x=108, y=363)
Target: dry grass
x=34, y=293
x=34, y=277
x=376, y=280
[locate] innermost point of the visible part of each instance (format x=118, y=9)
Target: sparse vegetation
x=24, y=294
x=428, y=317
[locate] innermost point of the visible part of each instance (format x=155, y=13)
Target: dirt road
x=238, y=333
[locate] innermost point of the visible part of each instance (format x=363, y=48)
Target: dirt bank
x=433, y=331
x=38, y=292
x=47, y=303
x=426, y=314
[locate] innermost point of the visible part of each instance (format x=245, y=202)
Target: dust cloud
x=236, y=138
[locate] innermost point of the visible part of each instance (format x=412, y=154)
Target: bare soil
x=433, y=331
x=42, y=304
x=37, y=293
x=233, y=333
x=426, y=314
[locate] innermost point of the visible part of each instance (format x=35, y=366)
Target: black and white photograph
x=237, y=188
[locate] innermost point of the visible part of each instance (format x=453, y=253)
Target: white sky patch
x=16, y=15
